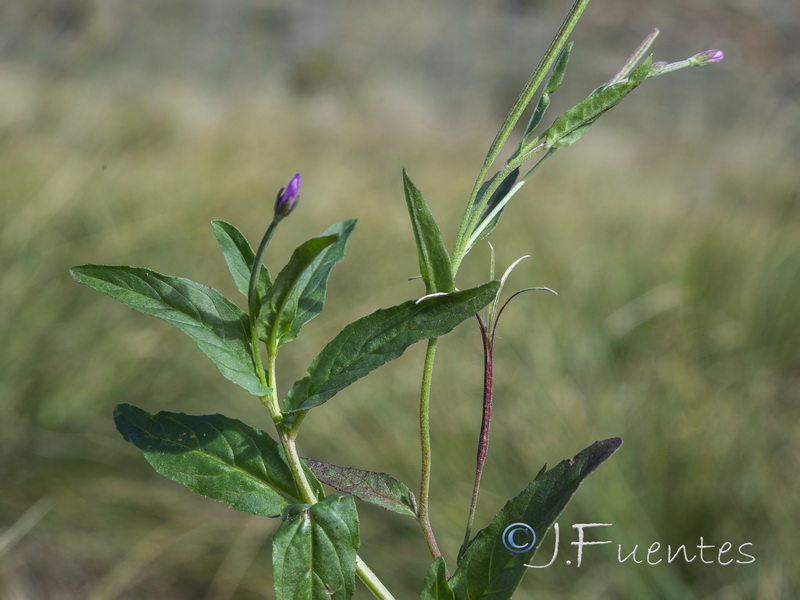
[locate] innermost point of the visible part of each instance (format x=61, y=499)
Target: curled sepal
x=488, y=569
x=492, y=316
x=314, y=550
x=215, y=456
x=239, y=257
x=375, y=488
x=540, y=288
x=436, y=586
x=218, y=327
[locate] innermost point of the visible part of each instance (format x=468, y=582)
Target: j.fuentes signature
x=520, y=537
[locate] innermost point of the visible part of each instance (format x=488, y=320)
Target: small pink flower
x=706, y=58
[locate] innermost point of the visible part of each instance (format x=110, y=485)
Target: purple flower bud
x=287, y=198
x=709, y=57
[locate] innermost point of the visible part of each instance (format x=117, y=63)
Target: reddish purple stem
x=483, y=440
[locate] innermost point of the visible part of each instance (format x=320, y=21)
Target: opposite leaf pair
x=222, y=330
x=226, y=460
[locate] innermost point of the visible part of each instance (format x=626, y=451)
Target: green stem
x=287, y=437
x=508, y=168
x=472, y=214
x=425, y=441
x=287, y=433
x=469, y=222
x=252, y=294
x=525, y=157
x=369, y=579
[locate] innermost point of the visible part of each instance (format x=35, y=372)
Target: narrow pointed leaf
x=436, y=585
x=569, y=127
x=371, y=341
x=314, y=550
x=217, y=325
x=489, y=570
x=298, y=294
x=312, y=297
x=487, y=223
x=214, y=456
x=379, y=489
x=239, y=257
x=434, y=262
x=552, y=85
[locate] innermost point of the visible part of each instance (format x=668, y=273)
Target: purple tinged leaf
x=375, y=488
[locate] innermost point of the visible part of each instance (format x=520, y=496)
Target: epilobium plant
x=315, y=547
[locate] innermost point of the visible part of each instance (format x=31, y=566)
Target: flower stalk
x=287, y=429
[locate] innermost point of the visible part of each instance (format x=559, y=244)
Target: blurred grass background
x=671, y=232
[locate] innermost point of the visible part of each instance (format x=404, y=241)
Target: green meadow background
x=671, y=232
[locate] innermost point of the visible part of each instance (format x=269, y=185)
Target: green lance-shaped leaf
x=314, y=550
x=239, y=257
x=298, y=294
x=487, y=223
x=434, y=262
x=570, y=127
x=379, y=489
x=436, y=585
x=215, y=456
x=366, y=344
x=552, y=85
x=217, y=325
x=488, y=569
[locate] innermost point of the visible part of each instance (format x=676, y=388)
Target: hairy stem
x=252, y=295
x=287, y=433
x=469, y=222
x=470, y=219
x=287, y=436
x=425, y=442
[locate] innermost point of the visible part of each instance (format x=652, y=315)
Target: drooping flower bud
x=287, y=198
x=709, y=57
